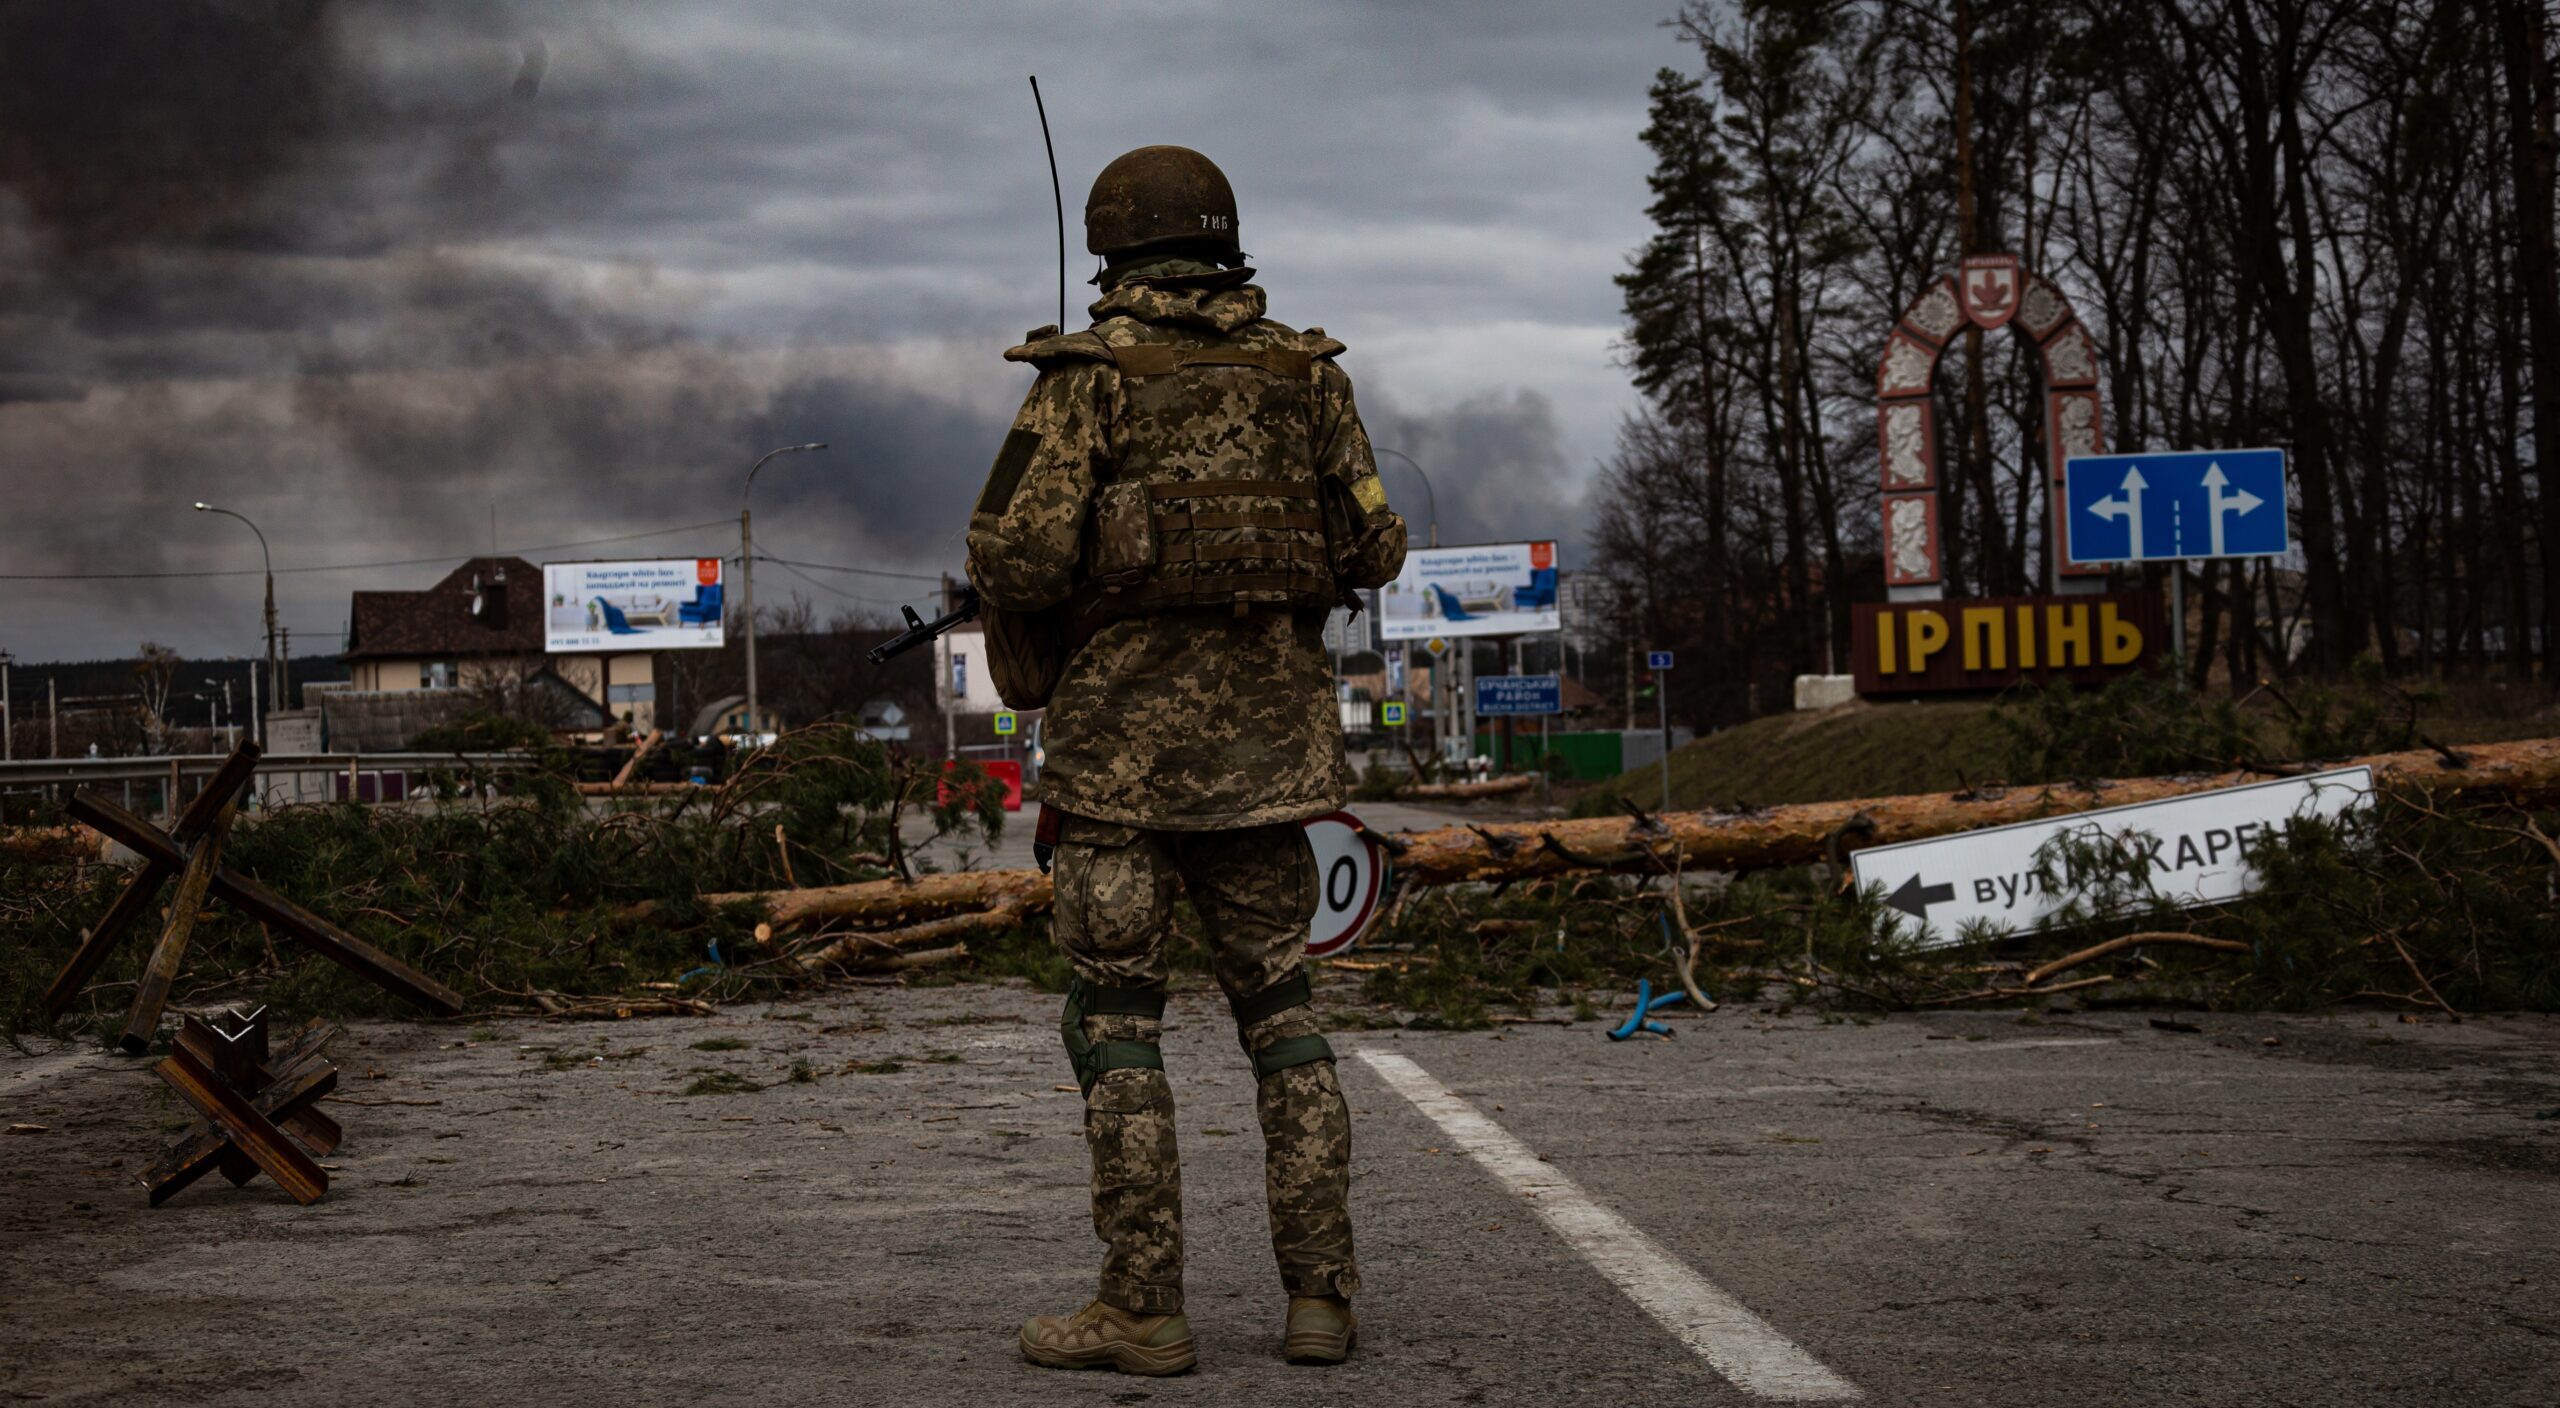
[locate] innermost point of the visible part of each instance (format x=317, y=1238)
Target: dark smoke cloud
x=257, y=237
x=1496, y=464
x=365, y=268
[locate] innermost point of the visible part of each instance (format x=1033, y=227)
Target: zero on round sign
x=1350, y=874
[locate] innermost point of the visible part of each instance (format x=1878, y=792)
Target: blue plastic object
x=1646, y=1005
x=716, y=964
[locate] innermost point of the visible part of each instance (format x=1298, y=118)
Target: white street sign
x=1349, y=874
x=2194, y=844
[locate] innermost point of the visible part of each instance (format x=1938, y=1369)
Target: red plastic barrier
x=1002, y=770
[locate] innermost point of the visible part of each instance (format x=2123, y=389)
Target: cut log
x=44, y=845
x=638, y=789
x=1463, y=791
x=639, y=755
x=884, y=948
x=894, y=901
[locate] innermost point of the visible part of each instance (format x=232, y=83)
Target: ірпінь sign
x=2196, y=847
x=1925, y=647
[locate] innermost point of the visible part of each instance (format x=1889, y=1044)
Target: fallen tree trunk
x=2526, y=772
x=883, y=901
x=51, y=844
x=1461, y=791
x=886, y=947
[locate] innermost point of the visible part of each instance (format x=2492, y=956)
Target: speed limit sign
x=1350, y=873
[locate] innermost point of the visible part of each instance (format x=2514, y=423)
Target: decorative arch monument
x=1990, y=292
x=2080, y=632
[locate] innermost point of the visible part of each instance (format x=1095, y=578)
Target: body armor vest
x=1215, y=500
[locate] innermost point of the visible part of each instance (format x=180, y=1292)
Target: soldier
x=1185, y=495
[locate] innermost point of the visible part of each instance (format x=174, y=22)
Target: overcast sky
x=362, y=271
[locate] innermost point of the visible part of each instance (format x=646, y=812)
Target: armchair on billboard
x=668, y=605
x=1496, y=589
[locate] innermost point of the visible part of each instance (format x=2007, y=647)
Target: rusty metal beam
x=152, y=993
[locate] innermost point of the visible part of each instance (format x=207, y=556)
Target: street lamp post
x=275, y=679
x=747, y=565
x=1428, y=496
x=8, y=720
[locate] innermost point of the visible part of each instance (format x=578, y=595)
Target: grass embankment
x=1887, y=749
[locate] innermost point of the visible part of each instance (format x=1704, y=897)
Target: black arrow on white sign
x=1914, y=898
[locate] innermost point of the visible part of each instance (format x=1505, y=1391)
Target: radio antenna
x=1057, y=197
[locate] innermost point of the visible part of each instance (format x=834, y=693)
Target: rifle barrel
x=919, y=631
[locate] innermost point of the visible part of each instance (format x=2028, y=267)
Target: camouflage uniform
x=1184, y=746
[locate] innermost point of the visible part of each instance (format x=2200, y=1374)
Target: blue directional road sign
x=1497, y=695
x=2167, y=507
x=1657, y=659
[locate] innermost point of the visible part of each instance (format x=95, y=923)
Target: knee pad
x=1091, y=1058
x=1288, y=1051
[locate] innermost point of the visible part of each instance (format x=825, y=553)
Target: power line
x=863, y=571
x=794, y=570
x=355, y=566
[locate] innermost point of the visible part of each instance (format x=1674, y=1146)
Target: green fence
x=1587, y=757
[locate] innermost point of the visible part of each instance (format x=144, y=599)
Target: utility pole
x=747, y=565
x=53, y=720
x=8, y=724
x=947, y=688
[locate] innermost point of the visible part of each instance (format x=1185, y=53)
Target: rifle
x=964, y=608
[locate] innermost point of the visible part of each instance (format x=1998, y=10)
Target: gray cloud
x=363, y=268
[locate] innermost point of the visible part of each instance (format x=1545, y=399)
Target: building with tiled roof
x=479, y=628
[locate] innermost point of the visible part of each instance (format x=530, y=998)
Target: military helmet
x=1159, y=196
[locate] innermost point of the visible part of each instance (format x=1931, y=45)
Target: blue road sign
x=1497, y=695
x=1657, y=659
x=2162, y=508
x=1391, y=714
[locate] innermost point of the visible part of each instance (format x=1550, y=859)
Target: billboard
x=614, y=606
x=1494, y=589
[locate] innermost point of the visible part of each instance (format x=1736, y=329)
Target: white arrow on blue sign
x=2170, y=507
x=1657, y=659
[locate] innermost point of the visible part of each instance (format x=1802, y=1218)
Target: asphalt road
x=1947, y=1209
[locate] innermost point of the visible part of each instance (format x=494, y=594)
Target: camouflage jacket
x=1179, y=720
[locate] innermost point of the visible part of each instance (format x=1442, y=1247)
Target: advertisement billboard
x=1493, y=589
x=675, y=604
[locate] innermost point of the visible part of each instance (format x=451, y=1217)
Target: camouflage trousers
x=1255, y=891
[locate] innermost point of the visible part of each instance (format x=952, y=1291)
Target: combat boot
x=1321, y=1330
x=1106, y=1337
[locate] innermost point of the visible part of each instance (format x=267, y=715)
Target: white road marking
x=1738, y=1344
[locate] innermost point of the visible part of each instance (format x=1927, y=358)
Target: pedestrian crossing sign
x=1391, y=714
